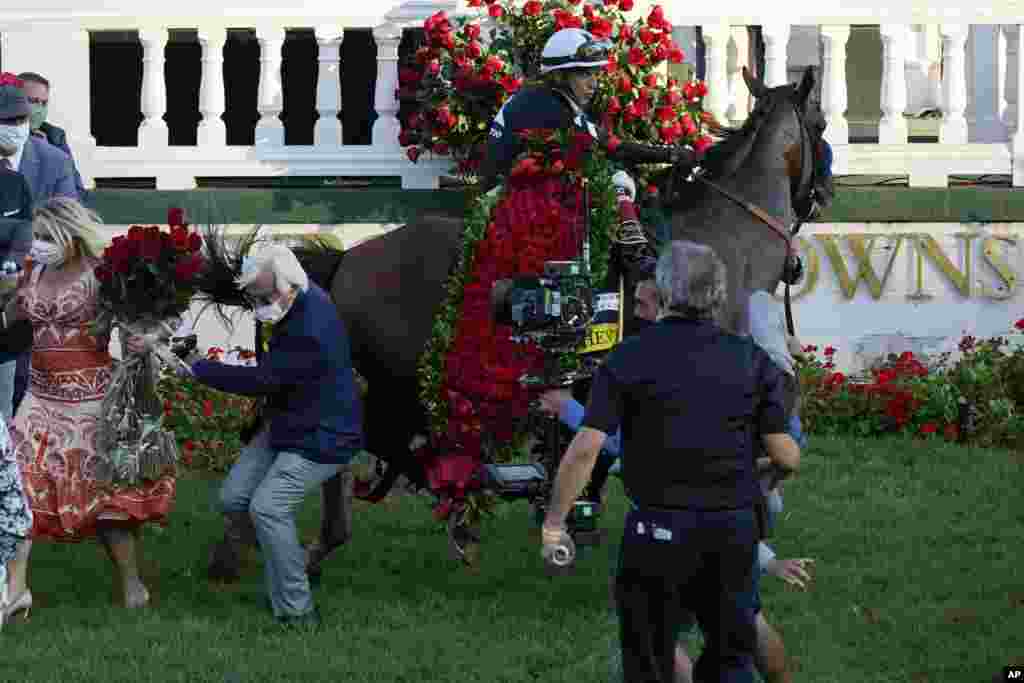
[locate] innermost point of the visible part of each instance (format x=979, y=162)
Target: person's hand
x=794, y=572
x=551, y=401
x=555, y=541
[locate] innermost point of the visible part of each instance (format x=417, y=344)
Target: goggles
x=590, y=51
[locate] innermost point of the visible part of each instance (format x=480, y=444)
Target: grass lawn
x=919, y=578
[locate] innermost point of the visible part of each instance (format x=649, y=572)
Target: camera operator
x=692, y=540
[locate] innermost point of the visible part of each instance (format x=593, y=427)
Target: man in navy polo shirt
x=689, y=428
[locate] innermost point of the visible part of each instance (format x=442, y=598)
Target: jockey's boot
x=226, y=558
x=336, y=496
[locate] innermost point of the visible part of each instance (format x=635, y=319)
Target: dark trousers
x=671, y=560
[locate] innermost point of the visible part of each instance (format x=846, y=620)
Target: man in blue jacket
x=313, y=425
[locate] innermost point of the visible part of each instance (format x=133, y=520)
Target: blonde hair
x=71, y=225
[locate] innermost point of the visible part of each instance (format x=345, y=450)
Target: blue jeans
x=671, y=561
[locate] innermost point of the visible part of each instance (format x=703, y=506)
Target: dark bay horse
x=389, y=288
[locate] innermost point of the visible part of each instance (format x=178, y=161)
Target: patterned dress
x=54, y=432
x=15, y=516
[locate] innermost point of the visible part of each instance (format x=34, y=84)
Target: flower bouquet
x=147, y=280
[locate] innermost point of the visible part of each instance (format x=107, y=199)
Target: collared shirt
x=685, y=393
x=15, y=159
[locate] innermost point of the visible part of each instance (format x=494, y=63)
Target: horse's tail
x=320, y=259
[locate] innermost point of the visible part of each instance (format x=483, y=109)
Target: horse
x=389, y=288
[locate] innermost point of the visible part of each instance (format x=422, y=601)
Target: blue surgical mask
x=13, y=137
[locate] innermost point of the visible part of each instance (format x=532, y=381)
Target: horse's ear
x=756, y=88
x=805, y=87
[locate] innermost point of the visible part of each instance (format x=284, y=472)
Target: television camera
x=559, y=312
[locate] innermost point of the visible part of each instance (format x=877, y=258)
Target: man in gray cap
x=15, y=223
x=48, y=170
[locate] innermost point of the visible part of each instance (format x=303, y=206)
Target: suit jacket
x=57, y=137
x=49, y=171
x=306, y=375
x=15, y=242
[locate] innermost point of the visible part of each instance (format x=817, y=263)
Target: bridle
x=804, y=198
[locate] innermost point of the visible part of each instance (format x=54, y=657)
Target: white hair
x=691, y=280
x=277, y=259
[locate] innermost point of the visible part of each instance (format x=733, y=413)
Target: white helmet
x=573, y=48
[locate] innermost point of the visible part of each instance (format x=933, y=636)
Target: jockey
x=570, y=63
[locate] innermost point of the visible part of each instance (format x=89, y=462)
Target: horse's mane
x=724, y=157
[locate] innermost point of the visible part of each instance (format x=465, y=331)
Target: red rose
x=665, y=113
x=656, y=18
x=625, y=32
x=474, y=50
x=676, y=55
x=179, y=238
x=614, y=106
x=434, y=67
x=929, y=428
x=625, y=85
x=195, y=242
x=672, y=98
x=532, y=8
x=175, y=216
x=660, y=54
x=187, y=268
x=637, y=57
x=473, y=3
x=625, y=5
x=1019, y=324
x=613, y=143
x=651, y=80
x=472, y=31
x=601, y=28
x=496, y=11
x=829, y=351
x=150, y=247
x=135, y=233
x=701, y=144
x=510, y=84
x=647, y=36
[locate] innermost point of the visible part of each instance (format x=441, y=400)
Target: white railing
x=981, y=129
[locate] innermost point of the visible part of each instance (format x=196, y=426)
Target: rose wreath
x=469, y=373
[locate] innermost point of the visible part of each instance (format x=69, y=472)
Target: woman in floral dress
x=54, y=431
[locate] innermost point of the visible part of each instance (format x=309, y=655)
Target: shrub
x=980, y=396
x=206, y=422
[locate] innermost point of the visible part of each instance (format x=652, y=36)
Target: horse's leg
x=393, y=417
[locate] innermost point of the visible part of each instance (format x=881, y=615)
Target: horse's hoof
x=224, y=564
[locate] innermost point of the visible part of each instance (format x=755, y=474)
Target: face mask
x=38, y=116
x=270, y=313
x=13, y=137
x=47, y=253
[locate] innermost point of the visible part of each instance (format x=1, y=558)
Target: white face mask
x=12, y=138
x=270, y=313
x=47, y=253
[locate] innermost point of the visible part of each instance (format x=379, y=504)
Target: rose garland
x=559, y=162
x=459, y=80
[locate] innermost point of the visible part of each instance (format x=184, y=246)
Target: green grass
x=919, y=578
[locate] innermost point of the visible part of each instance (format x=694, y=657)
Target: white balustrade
x=979, y=95
x=776, y=41
x=270, y=129
x=1018, y=134
x=1012, y=93
x=212, y=130
x=328, y=130
x=739, y=56
x=716, y=41
x=892, y=129
x=833, y=83
x=954, y=85
x=386, y=128
x=153, y=129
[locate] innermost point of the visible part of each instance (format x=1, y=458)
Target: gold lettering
x=990, y=252
x=928, y=245
x=861, y=246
